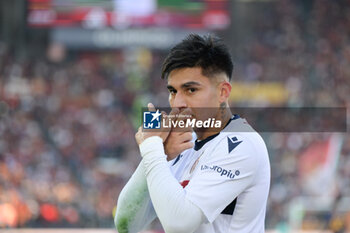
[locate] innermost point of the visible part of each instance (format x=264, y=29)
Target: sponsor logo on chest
x=222, y=171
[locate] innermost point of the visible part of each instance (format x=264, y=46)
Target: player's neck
x=224, y=116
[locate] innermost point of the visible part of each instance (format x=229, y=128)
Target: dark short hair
x=206, y=52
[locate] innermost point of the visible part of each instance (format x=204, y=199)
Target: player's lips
x=186, y=113
x=182, y=111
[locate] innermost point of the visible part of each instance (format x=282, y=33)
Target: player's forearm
x=176, y=213
x=133, y=208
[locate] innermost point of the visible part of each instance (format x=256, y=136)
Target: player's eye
x=172, y=91
x=191, y=90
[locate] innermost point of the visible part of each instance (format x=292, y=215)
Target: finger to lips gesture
x=179, y=139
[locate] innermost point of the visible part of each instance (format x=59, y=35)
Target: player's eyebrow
x=189, y=84
x=184, y=86
x=170, y=88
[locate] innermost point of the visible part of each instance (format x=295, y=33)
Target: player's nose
x=179, y=101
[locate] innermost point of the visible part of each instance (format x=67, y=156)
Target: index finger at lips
x=187, y=113
x=174, y=112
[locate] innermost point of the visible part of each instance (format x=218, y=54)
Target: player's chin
x=199, y=129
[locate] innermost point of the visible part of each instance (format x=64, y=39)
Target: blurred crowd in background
x=67, y=127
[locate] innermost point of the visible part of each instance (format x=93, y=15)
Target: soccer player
x=216, y=182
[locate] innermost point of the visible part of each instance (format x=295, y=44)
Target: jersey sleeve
x=222, y=174
x=134, y=209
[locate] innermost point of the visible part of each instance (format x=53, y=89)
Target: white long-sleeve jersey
x=219, y=186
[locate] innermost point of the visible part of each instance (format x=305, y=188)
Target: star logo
x=151, y=120
x=156, y=115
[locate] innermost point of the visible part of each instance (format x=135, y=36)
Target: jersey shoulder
x=239, y=143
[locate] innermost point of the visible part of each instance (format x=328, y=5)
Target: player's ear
x=225, y=90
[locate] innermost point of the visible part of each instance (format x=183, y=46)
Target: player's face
x=190, y=89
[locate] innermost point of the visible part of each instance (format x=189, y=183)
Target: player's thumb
x=151, y=107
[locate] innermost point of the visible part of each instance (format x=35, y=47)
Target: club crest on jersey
x=151, y=120
x=184, y=183
x=232, y=143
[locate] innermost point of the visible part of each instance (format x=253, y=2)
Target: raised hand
x=178, y=139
